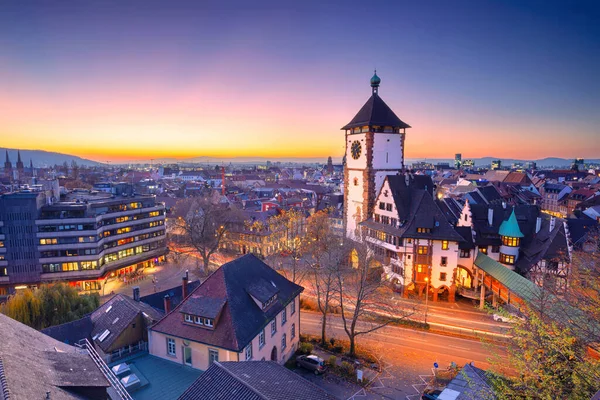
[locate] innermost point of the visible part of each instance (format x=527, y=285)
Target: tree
x=362, y=295
x=326, y=253
x=74, y=170
x=49, y=305
x=550, y=360
x=290, y=227
x=202, y=225
x=554, y=349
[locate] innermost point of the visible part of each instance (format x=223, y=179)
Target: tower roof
x=510, y=227
x=19, y=156
x=375, y=111
x=7, y=159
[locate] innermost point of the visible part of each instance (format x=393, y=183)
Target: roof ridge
x=246, y=384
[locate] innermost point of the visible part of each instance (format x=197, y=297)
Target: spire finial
x=375, y=81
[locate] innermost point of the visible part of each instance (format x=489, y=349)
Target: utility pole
x=427, y=279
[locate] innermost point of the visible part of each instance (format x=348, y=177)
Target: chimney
x=136, y=293
x=504, y=205
x=538, y=224
x=184, y=285
x=167, y=304
x=552, y=223
x=490, y=216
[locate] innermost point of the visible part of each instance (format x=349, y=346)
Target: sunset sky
x=133, y=80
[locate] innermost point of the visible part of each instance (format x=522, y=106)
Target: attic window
x=269, y=302
x=423, y=230
x=104, y=335
x=108, y=309
x=187, y=317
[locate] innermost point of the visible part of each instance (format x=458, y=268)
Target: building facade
x=84, y=239
x=244, y=311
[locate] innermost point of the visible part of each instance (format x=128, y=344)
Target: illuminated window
x=444, y=245
x=422, y=250
x=483, y=249
x=507, y=259
x=510, y=241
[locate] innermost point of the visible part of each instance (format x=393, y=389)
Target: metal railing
x=112, y=378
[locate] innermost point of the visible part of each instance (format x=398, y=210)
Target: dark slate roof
x=115, y=316
x=416, y=209
x=262, y=290
x=203, y=306
x=156, y=300
x=467, y=235
x=376, y=112
x=241, y=318
x=472, y=384
x=579, y=229
x=487, y=235
x=545, y=245
x=252, y=380
x=72, y=332
x=34, y=364
x=490, y=194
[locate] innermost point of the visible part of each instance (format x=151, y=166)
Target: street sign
x=359, y=375
x=435, y=365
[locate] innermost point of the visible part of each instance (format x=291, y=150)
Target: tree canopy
x=51, y=304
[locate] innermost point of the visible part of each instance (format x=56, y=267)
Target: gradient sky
x=133, y=80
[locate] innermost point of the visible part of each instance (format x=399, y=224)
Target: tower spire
x=7, y=159
x=375, y=81
x=18, y=156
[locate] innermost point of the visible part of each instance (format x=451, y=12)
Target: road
x=402, y=341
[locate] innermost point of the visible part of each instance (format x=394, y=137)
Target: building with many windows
x=83, y=239
x=243, y=311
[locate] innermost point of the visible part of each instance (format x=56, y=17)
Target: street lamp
x=427, y=291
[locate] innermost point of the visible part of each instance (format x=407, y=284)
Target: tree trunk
x=323, y=326
x=352, y=347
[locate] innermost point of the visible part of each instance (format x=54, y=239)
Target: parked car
x=507, y=318
x=312, y=363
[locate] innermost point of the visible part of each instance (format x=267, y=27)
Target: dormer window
x=268, y=303
x=187, y=317
x=423, y=230
x=197, y=320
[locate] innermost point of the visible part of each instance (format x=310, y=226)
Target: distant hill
x=42, y=158
x=541, y=163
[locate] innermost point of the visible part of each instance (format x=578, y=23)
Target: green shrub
x=332, y=361
x=347, y=369
x=305, y=348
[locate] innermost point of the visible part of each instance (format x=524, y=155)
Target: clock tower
x=374, y=149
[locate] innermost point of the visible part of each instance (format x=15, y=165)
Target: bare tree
x=290, y=225
x=363, y=297
x=202, y=224
x=326, y=253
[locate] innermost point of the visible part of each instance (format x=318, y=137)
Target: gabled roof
x=252, y=380
x=376, y=112
x=115, y=316
x=472, y=384
x=241, y=318
x=71, y=332
x=33, y=364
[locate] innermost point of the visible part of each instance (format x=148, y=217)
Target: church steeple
x=375, y=81
x=20, y=165
x=7, y=165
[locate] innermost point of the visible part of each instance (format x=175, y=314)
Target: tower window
x=355, y=181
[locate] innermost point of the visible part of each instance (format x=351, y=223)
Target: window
x=422, y=250
x=483, y=249
x=274, y=326
x=187, y=355
x=261, y=339
x=293, y=332
x=465, y=253
x=444, y=261
x=507, y=259
x=423, y=230
x=213, y=355
x=199, y=320
x=444, y=245
x=381, y=205
x=495, y=249
x=293, y=307
x=355, y=181
x=249, y=352
x=171, y=346
x=388, y=206
x=442, y=276
x=208, y=322
x=284, y=316
x=283, y=342
x=187, y=317
x=510, y=241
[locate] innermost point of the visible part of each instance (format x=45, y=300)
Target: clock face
x=356, y=149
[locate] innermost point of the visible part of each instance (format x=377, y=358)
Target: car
x=312, y=363
x=507, y=318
